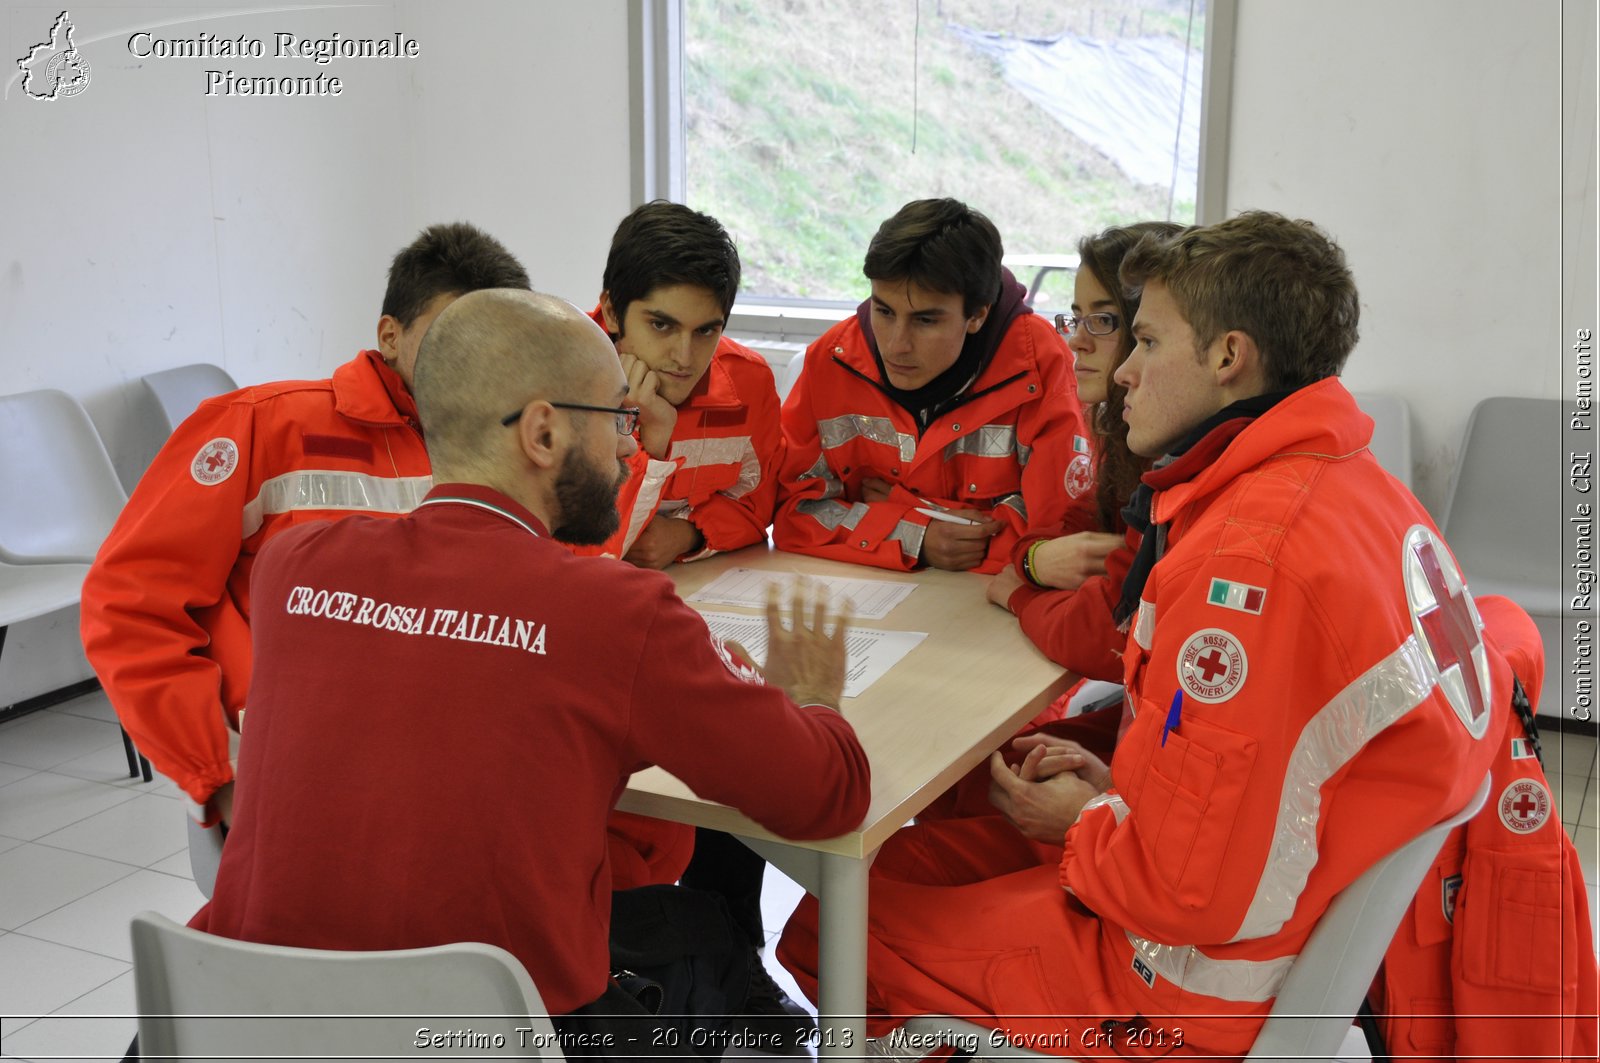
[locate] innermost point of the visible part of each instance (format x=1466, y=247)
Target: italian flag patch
x=1240, y=596
x=1521, y=749
x=1080, y=445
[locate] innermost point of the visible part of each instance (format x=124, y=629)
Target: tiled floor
x=83, y=848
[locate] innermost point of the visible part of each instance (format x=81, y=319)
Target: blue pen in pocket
x=1174, y=716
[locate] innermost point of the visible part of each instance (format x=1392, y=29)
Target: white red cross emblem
x=1447, y=625
x=215, y=462
x=741, y=671
x=1524, y=806
x=1080, y=476
x=1212, y=665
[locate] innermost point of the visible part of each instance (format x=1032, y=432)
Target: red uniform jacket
x=1495, y=959
x=1075, y=628
x=460, y=646
x=1007, y=451
x=166, y=606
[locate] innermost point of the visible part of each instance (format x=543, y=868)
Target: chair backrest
x=1391, y=432
x=59, y=493
x=1504, y=513
x=1334, y=970
x=1318, y=1000
x=203, y=997
x=178, y=391
x=791, y=373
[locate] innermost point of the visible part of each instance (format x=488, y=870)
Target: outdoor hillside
x=809, y=123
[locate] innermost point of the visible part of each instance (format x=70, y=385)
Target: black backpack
x=677, y=951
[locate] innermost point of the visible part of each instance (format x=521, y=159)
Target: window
x=805, y=123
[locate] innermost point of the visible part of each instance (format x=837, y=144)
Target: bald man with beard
x=463, y=645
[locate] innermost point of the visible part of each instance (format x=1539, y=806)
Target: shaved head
x=487, y=355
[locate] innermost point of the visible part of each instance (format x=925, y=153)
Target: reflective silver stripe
x=734, y=450
x=328, y=489
x=833, y=486
x=837, y=431
x=1119, y=807
x=831, y=514
x=676, y=508
x=648, y=498
x=1144, y=625
x=985, y=441
x=1015, y=502
x=1242, y=981
x=1024, y=452
x=1330, y=740
x=909, y=536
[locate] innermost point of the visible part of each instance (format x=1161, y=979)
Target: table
x=970, y=685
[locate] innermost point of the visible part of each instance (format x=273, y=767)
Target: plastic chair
x=1391, y=432
x=791, y=373
x=1509, y=499
x=203, y=997
x=59, y=496
x=1317, y=1002
x=178, y=391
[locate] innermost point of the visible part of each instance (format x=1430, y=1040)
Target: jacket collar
x=367, y=391
x=1321, y=419
x=486, y=500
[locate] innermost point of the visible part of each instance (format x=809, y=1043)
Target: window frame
x=655, y=52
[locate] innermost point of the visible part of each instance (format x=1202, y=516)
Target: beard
x=588, y=501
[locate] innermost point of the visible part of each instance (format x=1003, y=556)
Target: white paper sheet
x=870, y=599
x=869, y=653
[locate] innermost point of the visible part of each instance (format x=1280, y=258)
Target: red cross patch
x=215, y=462
x=1080, y=476
x=1524, y=806
x=1212, y=665
x=743, y=672
x=1448, y=628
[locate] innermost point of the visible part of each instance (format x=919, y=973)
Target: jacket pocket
x=1187, y=802
x=1510, y=908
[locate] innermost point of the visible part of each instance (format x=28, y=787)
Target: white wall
x=144, y=225
x=1426, y=136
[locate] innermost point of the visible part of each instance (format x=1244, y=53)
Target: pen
x=1174, y=716
x=948, y=518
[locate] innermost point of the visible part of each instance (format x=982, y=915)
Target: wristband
x=1027, y=563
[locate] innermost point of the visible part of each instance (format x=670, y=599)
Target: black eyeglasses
x=627, y=419
x=1094, y=324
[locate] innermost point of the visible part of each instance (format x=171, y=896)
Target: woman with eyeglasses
x=1064, y=583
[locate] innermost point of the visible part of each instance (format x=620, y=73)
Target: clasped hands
x=1043, y=795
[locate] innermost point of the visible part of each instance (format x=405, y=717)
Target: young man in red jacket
x=939, y=422
x=461, y=641
x=1308, y=676
x=670, y=281
x=166, y=606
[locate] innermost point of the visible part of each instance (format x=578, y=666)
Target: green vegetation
x=810, y=121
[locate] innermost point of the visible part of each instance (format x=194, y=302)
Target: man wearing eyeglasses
x=465, y=641
x=941, y=420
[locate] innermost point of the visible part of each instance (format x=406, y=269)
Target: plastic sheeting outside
x=1124, y=97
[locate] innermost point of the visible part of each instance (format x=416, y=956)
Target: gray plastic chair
x=1504, y=517
x=203, y=997
x=1391, y=432
x=1318, y=1000
x=178, y=391
x=59, y=496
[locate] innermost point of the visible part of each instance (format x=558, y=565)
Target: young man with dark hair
x=939, y=422
x=1308, y=677
x=166, y=605
x=669, y=285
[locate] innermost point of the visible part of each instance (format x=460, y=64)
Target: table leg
x=842, y=963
